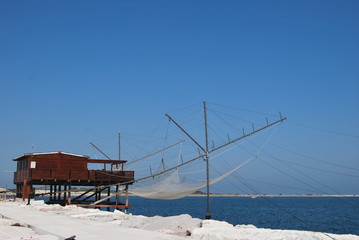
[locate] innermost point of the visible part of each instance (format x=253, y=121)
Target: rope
x=186, y=107
x=319, y=190
x=315, y=159
x=282, y=186
x=325, y=130
x=242, y=109
x=323, y=170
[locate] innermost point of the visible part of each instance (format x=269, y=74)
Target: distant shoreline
x=269, y=195
x=243, y=195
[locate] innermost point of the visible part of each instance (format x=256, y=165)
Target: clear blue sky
x=74, y=71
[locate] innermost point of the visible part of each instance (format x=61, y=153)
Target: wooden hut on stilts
x=63, y=172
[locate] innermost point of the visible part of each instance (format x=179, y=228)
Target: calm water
x=327, y=214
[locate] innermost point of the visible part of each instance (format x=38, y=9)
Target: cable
x=325, y=130
x=187, y=107
x=312, y=158
x=282, y=186
x=322, y=170
x=242, y=109
x=305, y=175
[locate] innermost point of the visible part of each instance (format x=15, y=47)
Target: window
x=32, y=164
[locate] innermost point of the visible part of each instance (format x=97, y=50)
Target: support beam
x=208, y=213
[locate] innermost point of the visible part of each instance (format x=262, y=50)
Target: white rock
x=215, y=224
x=245, y=226
x=177, y=226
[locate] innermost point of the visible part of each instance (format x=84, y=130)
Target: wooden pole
x=126, y=205
x=59, y=194
x=69, y=199
x=117, y=196
x=208, y=213
x=108, y=195
x=55, y=190
x=65, y=193
x=51, y=191
x=119, y=149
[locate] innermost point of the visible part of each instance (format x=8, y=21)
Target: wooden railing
x=73, y=175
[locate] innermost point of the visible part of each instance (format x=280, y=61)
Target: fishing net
x=174, y=186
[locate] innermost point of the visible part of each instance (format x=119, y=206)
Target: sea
x=338, y=215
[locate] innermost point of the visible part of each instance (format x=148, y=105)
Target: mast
x=208, y=214
x=119, y=148
x=207, y=151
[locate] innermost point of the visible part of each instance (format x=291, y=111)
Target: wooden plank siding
x=54, y=167
x=60, y=161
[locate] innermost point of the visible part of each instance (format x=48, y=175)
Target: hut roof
x=47, y=153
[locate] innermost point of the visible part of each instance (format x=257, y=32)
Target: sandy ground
x=39, y=221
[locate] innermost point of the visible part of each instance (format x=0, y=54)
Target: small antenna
x=163, y=165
